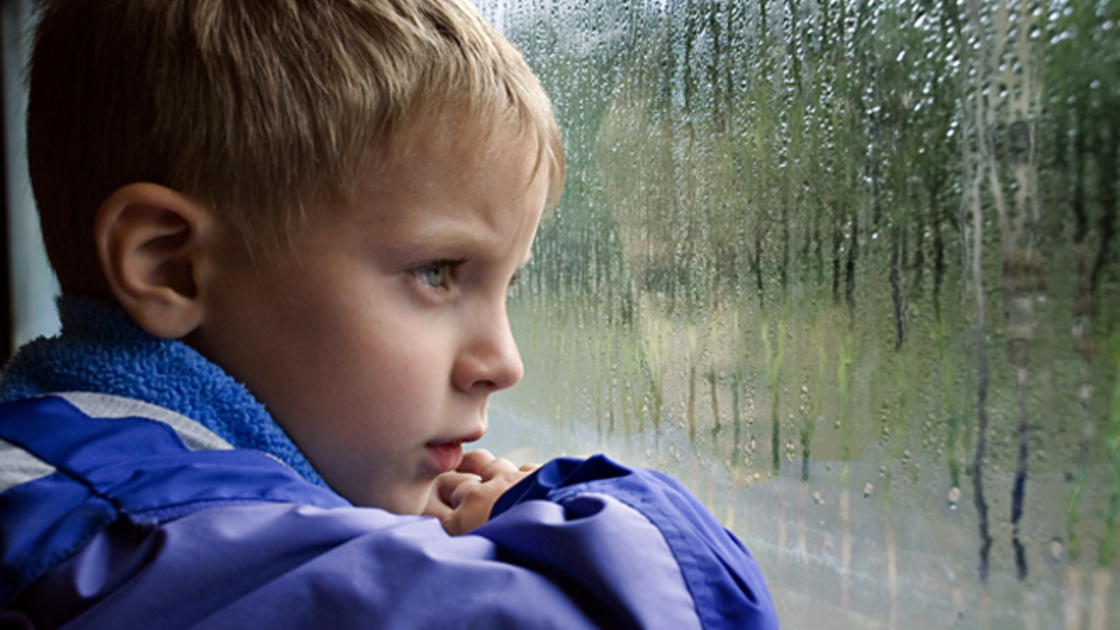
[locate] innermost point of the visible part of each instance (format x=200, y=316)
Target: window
x=30, y=286
x=850, y=270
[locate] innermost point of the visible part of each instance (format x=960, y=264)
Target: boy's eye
x=437, y=274
x=433, y=274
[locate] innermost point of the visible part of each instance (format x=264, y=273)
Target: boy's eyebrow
x=435, y=238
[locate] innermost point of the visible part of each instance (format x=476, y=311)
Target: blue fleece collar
x=102, y=350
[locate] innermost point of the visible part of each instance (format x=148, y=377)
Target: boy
x=284, y=233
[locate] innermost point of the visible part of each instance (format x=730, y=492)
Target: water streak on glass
x=849, y=268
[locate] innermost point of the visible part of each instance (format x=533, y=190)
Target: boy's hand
x=462, y=499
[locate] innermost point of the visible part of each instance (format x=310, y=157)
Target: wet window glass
x=849, y=269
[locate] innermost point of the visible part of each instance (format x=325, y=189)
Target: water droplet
x=1057, y=549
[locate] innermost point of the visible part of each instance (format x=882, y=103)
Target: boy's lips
x=445, y=456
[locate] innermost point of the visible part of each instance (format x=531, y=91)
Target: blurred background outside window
x=849, y=268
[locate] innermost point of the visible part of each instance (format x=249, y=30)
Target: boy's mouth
x=445, y=456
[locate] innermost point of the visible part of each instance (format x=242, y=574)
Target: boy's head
x=327, y=199
x=258, y=109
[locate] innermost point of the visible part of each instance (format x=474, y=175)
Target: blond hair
x=258, y=108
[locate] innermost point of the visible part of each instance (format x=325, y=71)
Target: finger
x=473, y=501
x=447, y=483
x=472, y=491
x=482, y=490
x=475, y=461
x=500, y=467
x=483, y=463
x=528, y=468
x=436, y=506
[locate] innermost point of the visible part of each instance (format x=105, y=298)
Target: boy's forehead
x=475, y=141
x=442, y=169
x=448, y=149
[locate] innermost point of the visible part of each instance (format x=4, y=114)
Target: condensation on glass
x=850, y=270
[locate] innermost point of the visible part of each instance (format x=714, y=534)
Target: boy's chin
x=411, y=499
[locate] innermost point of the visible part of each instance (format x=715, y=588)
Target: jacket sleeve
x=581, y=544
x=720, y=575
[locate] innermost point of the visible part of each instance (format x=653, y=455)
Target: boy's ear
x=150, y=242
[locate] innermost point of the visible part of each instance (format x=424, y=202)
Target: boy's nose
x=491, y=361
